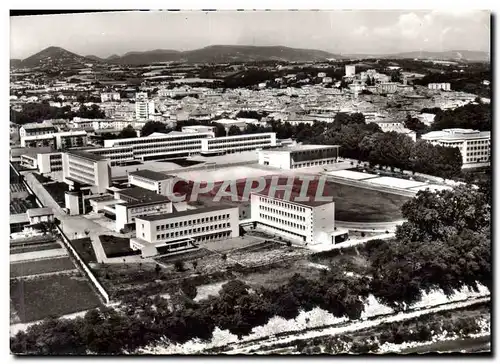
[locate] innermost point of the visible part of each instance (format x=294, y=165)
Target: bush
x=179, y=266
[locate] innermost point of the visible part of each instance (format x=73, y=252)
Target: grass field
x=85, y=249
x=115, y=246
x=40, y=266
x=35, y=299
x=34, y=248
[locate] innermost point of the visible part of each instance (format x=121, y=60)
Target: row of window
x=473, y=142
x=280, y=203
x=283, y=213
x=164, y=139
x=282, y=221
x=480, y=147
x=239, y=139
x=311, y=164
x=187, y=232
x=478, y=153
x=202, y=220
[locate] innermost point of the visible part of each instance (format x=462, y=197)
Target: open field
x=35, y=299
x=34, y=248
x=19, y=206
x=115, y=246
x=40, y=266
x=84, y=249
x=353, y=204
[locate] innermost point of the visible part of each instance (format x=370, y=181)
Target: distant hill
x=14, y=62
x=55, y=57
x=224, y=54
x=471, y=56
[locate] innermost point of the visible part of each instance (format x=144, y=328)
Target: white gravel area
x=358, y=176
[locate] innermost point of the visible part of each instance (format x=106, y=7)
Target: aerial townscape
x=250, y=199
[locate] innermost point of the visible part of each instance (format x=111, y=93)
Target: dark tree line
x=38, y=112
x=470, y=116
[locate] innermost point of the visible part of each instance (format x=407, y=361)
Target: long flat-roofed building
x=177, y=231
x=160, y=145
x=238, y=143
x=305, y=222
x=86, y=168
x=474, y=145
x=151, y=180
x=299, y=156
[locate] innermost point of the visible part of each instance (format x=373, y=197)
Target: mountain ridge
x=59, y=57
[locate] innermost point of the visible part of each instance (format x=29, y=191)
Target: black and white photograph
x=250, y=182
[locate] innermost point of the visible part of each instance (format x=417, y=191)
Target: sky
x=339, y=31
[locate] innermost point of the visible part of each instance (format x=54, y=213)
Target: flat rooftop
x=303, y=147
x=142, y=195
x=280, y=195
x=86, y=155
x=152, y=175
x=42, y=211
x=185, y=213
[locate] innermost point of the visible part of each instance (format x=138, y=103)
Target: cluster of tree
x=471, y=116
x=252, y=114
x=154, y=127
x=366, y=142
x=444, y=244
x=38, y=112
x=82, y=99
x=471, y=82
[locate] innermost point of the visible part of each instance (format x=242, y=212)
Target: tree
x=234, y=130
x=154, y=127
x=189, y=289
x=127, y=132
x=157, y=270
x=179, y=266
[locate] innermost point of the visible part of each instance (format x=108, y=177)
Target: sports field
x=352, y=203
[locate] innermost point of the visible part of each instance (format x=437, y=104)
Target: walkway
x=40, y=254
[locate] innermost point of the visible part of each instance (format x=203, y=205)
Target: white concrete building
x=62, y=140
x=36, y=129
x=474, y=145
x=299, y=156
x=164, y=233
x=40, y=215
x=110, y=96
x=306, y=223
x=85, y=168
x=396, y=126
x=198, y=129
x=445, y=86
x=155, y=146
x=238, y=143
x=350, y=70
x=152, y=181
x=49, y=162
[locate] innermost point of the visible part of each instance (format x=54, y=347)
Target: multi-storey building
x=474, y=145
x=159, y=145
x=238, y=143
x=445, y=86
x=152, y=181
x=176, y=231
x=311, y=222
x=36, y=129
x=350, y=70
x=85, y=168
x=49, y=162
x=144, y=108
x=110, y=96
x=62, y=140
x=299, y=156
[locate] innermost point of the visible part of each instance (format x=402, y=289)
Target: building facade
x=84, y=168
x=180, y=230
x=152, y=181
x=474, y=145
x=306, y=223
x=299, y=156
x=238, y=143
x=439, y=86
